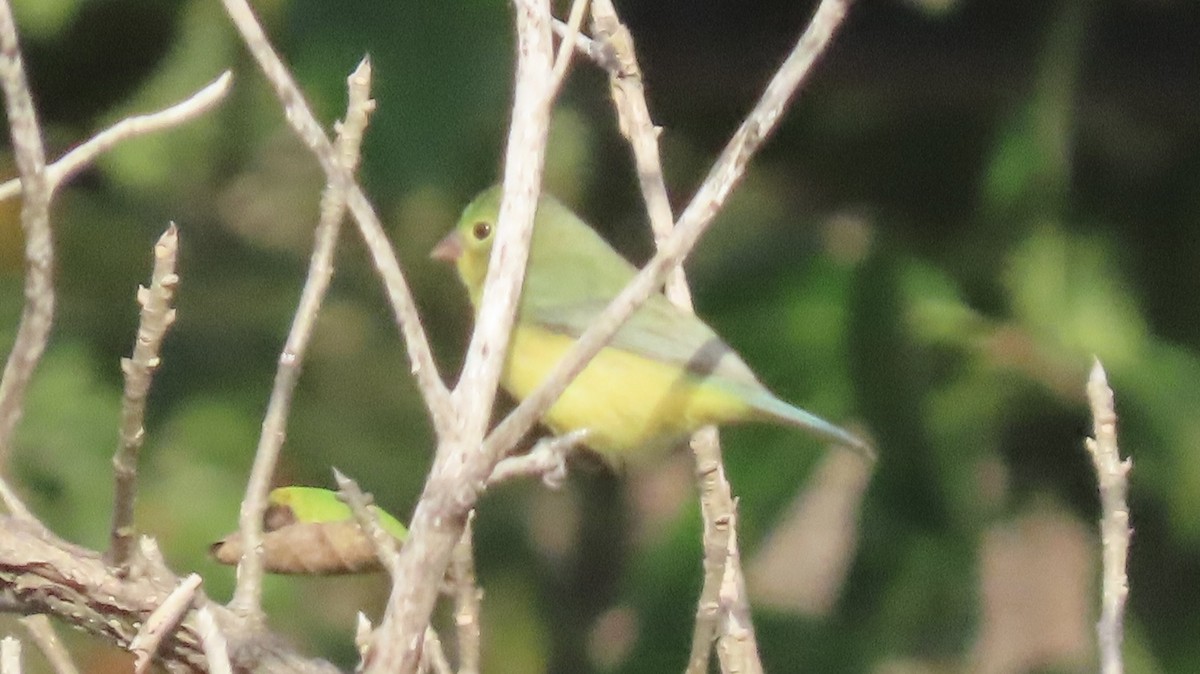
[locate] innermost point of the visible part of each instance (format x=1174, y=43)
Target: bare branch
x=716, y=498
x=586, y=46
x=40, y=573
x=320, y=271
x=633, y=114
x=156, y=317
x=304, y=123
x=38, y=313
x=1112, y=474
x=360, y=504
x=717, y=507
x=566, y=49
x=162, y=622
x=737, y=648
x=131, y=127
x=467, y=600
x=49, y=644
x=460, y=469
x=547, y=460
x=434, y=659
x=216, y=651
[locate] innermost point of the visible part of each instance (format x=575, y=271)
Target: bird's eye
x=481, y=230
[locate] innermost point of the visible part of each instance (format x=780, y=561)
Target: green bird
x=662, y=377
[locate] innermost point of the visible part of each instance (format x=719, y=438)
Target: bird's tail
x=775, y=409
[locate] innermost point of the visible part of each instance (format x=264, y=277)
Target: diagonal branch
x=74, y=161
x=247, y=597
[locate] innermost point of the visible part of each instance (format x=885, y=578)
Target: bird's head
x=469, y=245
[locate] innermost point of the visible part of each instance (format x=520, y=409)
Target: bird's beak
x=449, y=249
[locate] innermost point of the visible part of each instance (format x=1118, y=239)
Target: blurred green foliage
x=968, y=203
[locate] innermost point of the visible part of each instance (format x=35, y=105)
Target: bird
x=664, y=375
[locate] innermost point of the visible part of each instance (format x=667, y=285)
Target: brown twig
x=304, y=123
x=38, y=313
x=156, y=318
x=248, y=594
x=131, y=127
x=49, y=644
x=1112, y=474
x=467, y=600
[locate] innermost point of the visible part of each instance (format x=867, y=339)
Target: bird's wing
x=657, y=330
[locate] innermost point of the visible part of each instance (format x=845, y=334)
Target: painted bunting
x=663, y=376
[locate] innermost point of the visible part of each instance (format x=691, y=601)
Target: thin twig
x=716, y=498
x=385, y=545
x=320, y=271
x=717, y=509
x=547, y=460
x=304, y=123
x=433, y=659
x=156, y=317
x=583, y=44
x=162, y=622
x=1112, y=474
x=460, y=469
x=49, y=644
x=566, y=49
x=216, y=651
x=131, y=127
x=737, y=648
x=467, y=600
x=38, y=313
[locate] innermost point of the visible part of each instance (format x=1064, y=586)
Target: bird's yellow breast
x=626, y=402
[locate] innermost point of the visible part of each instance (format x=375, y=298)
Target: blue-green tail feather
x=776, y=410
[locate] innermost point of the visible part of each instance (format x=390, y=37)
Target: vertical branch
x=38, y=313
x=737, y=647
x=247, y=596
x=467, y=599
x=721, y=566
x=1111, y=472
x=156, y=317
x=523, y=161
x=461, y=469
